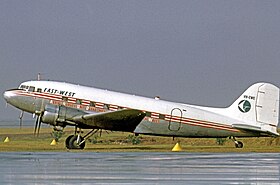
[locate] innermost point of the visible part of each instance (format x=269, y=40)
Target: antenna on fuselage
x=39, y=76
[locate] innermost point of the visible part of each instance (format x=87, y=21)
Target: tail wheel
x=75, y=142
x=238, y=144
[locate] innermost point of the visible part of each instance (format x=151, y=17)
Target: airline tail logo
x=244, y=106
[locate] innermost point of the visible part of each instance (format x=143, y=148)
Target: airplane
x=254, y=114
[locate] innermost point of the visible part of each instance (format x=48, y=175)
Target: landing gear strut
x=77, y=141
x=238, y=144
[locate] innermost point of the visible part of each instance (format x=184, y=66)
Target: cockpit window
x=31, y=89
x=24, y=87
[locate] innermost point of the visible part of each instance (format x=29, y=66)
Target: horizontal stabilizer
x=247, y=127
x=252, y=128
x=122, y=120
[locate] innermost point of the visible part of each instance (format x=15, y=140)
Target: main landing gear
x=238, y=144
x=76, y=141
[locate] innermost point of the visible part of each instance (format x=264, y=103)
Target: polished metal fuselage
x=162, y=117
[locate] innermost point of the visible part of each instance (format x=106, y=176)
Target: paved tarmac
x=139, y=168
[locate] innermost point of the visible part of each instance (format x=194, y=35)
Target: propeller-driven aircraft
x=254, y=114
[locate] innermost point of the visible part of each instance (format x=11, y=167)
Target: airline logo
x=244, y=106
x=59, y=92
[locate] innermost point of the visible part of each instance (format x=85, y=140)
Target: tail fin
x=257, y=108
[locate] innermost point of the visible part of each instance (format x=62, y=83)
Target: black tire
x=239, y=144
x=74, y=144
x=67, y=142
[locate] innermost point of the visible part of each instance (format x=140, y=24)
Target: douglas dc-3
x=254, y=114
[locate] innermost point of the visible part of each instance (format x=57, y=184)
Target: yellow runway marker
x=7, y=140
x=177, y=148
x=53, y=142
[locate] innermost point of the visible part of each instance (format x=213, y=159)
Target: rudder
x=267, y=104
x=258, y=106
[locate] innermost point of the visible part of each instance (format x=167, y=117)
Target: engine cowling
x=59, y=115
x=51, y=114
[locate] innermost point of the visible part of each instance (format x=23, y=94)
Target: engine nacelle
x=51, y=114
x=58, y=115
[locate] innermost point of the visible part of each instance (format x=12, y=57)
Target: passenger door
x=175, y=119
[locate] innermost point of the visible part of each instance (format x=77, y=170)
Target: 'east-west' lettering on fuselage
x=60, y=92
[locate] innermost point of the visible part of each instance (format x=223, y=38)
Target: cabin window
x=79, y=102
x=106, y=107
x=31, y=89
x=161, y=116
x=148, y=114
x=92, y=104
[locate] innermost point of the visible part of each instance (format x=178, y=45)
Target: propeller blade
x=36, y=125
x=39, y=125
x=20, y=119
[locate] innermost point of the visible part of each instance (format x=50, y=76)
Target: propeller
x=38, y=123
x=20, y=119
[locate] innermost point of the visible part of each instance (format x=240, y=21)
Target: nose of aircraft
x=8, y=95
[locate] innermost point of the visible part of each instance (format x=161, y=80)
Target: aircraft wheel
x=239, y=144
x=74, y=143
x=67, y=142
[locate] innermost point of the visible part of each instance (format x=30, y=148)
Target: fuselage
x=162, y=117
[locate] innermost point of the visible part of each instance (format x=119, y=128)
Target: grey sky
x=198, y=52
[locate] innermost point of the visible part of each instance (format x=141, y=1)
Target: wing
x=122, y=120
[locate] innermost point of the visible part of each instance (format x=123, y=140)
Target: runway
x=139, y=168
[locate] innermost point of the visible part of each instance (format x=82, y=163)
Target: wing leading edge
x=122, y=120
